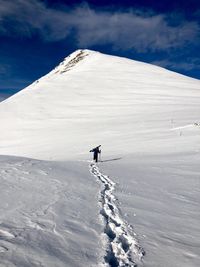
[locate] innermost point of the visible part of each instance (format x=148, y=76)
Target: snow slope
x=144, y=194
x=45, y=215
x=92, y=98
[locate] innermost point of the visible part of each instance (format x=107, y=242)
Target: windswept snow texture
x=46, y=217
x=147, y=120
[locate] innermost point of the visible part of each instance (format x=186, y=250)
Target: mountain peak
x=72, y=60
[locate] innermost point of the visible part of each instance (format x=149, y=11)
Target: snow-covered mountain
x=147, y=120
x=92, y=98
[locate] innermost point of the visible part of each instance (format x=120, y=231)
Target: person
x=96, y=152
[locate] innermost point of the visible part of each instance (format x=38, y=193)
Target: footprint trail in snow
x=123, y=248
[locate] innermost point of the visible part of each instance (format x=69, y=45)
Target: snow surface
x=46, y=214
x=123, y=247
x=140, y=205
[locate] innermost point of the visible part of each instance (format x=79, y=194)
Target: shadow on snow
x=106, y=160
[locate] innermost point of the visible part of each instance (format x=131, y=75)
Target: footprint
x=35, y=225
x=42, y=172
x=6, y=235
x=123, y=248
x=3, y=249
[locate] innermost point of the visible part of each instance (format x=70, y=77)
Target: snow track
x=123, y=248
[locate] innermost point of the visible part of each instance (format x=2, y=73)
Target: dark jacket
x=96, y=151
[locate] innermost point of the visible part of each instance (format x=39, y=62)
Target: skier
x=96, y=152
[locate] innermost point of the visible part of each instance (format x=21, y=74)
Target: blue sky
x=36, y=35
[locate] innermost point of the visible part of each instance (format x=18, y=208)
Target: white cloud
x=121, y=29
x=128, y=30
